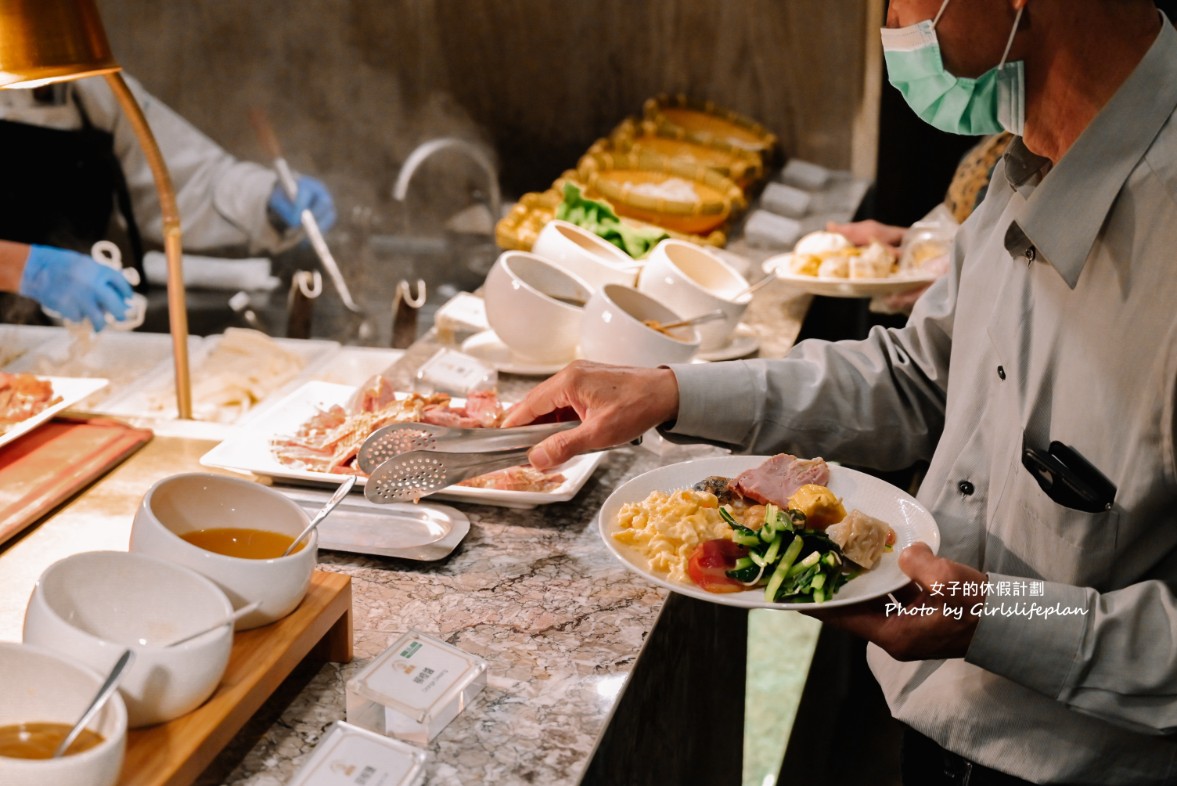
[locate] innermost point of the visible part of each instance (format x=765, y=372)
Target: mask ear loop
x=936, y=19
x=1012, y=33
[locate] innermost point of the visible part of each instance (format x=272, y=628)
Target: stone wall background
x=353, y=85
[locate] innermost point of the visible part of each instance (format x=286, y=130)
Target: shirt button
x=1001, y=373
x=1031, y=254
x=966, y=488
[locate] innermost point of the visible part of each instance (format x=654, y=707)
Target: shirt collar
x=1062, y=227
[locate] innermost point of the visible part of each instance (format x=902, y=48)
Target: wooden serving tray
x=50, y=464
x=177, y=752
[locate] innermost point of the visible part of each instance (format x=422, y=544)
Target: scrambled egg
x=667, y=527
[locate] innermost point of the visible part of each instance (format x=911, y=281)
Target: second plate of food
x=830, y=286
x=910, y=521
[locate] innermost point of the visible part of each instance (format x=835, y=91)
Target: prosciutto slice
x=777, y=478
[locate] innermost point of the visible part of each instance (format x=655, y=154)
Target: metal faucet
x=478, y=153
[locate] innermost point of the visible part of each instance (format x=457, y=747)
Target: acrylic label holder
x=415, y=688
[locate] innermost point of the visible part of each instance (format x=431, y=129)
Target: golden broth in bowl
x=39, y=740
x=242, y=542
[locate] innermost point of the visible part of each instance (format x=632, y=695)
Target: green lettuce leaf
x=598, y=217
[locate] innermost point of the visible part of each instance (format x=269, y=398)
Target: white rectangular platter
x=71, y=392
x=248, y=450
x=154, y=397
x=18, y=340
x=125, y=359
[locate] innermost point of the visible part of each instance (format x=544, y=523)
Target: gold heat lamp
x=43, y=41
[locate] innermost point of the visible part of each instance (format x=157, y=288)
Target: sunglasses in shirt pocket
x=1066, y=523
x=1068, y=478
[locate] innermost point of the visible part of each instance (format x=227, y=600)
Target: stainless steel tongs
x=387, y=443
x=418, y=473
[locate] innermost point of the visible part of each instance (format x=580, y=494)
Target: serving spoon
x=753, y=287
x=236, y=615
x=112, y=681
x=702, y=319
x=336, y=498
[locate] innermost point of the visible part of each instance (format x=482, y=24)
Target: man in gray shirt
x=1038, y=379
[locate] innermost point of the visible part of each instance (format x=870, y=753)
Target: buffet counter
x=593, y=673
x=533, y=592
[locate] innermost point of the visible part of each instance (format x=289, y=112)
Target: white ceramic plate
x=71, y=391
x=420, y=531
x=845, y=287
x=742, y=343
x=490, y=349
x=248, y=450
x=911, y=521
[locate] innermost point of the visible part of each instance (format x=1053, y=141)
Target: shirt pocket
x=1053, y=541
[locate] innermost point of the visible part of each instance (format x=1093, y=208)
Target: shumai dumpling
x=862, y=538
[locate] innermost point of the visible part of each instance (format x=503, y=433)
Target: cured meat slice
x=485, y=408
x=777, y=478
x=372, y=396
x=22, y=396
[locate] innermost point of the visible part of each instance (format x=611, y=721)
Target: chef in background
x=74, y=173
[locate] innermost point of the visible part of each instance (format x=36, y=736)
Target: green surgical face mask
x=985, y=105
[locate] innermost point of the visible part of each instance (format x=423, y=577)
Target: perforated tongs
x=391, y=441
x=419, y=473
x=407, y=461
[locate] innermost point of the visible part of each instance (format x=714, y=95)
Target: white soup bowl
x=585, y=254
x=695, y=281
x=194, y=501
x=535, y=307
x=93, y=605
x=40, y=686
x=614, y=330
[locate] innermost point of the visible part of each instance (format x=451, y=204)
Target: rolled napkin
x=213, y=272
x=804, y=174
x=769, y=230
x=786, y=200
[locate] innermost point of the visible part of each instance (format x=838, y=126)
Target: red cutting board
x=50, y=464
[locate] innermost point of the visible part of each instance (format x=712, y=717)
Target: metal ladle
x=336, y=498
x=112, y=681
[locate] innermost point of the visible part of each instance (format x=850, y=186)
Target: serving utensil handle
x=112, y=681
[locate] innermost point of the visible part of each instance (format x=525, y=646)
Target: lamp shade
x=51, y=40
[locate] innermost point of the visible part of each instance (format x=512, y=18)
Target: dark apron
x=59, y=188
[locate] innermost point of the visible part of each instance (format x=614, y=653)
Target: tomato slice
x=710, y=562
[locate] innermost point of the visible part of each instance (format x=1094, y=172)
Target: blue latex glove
x=312, y=195
x=74, y=285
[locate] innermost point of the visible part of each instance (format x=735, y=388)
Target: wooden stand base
x=177, y=752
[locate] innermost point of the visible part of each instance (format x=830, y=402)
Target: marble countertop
x=533, y=592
